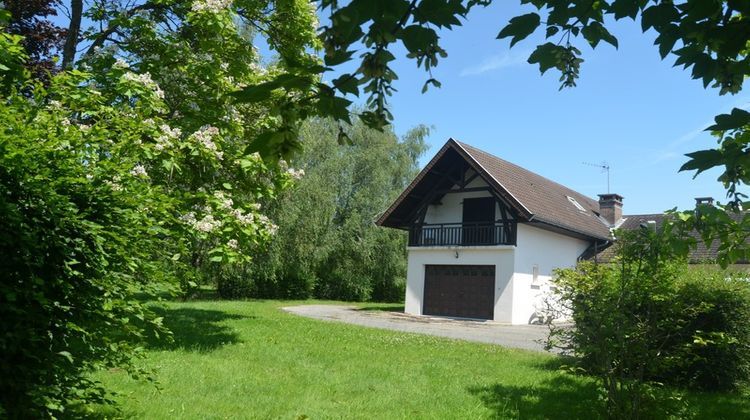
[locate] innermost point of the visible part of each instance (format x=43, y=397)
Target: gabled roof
x=536, y=199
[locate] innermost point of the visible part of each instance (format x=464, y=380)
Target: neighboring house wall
x=500, y=256
x=546, y=250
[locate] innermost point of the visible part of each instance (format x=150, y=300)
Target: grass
x=248, y=359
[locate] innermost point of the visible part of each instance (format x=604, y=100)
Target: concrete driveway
x=527, y=337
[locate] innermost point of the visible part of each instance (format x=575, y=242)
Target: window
x=535, y=277
x=576, y=203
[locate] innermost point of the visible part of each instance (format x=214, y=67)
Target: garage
x=466, y=291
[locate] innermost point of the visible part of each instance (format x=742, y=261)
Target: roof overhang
x=432, y=176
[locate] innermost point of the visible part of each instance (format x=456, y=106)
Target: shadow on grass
x=386, y=308
x=719, y=406
x=194, y=329
x=562, y=397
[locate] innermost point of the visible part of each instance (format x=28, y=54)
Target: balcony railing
x=463, y=234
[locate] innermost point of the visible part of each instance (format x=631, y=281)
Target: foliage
x=708, y=38
x=104, y=191
x=41, y=36
x=327, y=244
x=641, y=323
x=75, y=220
x=717, y=356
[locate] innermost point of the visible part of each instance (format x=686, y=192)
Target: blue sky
x=630, y=109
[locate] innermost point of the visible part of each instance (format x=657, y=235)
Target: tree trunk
x=71, y=42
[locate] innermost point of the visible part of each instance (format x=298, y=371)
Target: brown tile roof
x=700, y=254
x=545, y=199
x=536, y=198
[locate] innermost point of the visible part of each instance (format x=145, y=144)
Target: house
x=484, y=235
x=702, y=253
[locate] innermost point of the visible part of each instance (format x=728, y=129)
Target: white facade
x=518, y=294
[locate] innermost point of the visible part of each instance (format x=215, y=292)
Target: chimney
x=704, y=200
x=610, y=208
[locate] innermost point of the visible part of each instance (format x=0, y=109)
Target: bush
x=713, y=342
x=237, y=286
x=646, y=320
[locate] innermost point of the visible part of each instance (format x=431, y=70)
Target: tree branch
x=114, y=27
x=74, y=30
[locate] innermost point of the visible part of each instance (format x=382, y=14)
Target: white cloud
x=497, y=62
x=671, y=151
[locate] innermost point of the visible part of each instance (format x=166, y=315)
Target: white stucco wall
x=499, y=256
x=547, y=250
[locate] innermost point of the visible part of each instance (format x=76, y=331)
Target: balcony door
x=478, y=221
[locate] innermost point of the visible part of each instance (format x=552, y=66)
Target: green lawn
x=251, y=360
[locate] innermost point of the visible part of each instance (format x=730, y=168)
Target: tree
x=327, y=245
x=41, y=37
x=111, y=183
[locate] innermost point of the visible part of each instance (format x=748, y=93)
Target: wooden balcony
x=463, y=234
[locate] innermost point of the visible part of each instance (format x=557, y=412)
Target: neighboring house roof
x=700, y=254
x=536, y=199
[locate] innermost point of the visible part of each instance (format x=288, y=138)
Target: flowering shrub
x=99, y=197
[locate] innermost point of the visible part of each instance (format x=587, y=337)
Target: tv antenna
x=604, y=166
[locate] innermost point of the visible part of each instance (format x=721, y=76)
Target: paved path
x=526, y=337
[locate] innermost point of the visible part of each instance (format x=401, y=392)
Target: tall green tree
x=327, y=245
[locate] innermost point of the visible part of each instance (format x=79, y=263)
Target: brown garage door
x=466, y=291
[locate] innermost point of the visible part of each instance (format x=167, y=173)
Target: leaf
x=659, y=16
x=216, y=258
x=732, y=121
x=347, y=83
x=227, y=185
x=433, y=82
x=623, y=8
x=442, y=13
x=595, y=32
x=552, y=30
x=520, y=27
x=547, y=55
x=703, y=160
x=418, y=39
x=66, y=355
x=338, y=57
x=256, y=93
x=176, y=257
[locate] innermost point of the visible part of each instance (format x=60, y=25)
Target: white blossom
x=272, y=228
x=145, y=80
x=232, y=243
x=213, y=6
x=204, y=136
x=224, y=201
x=121, y=64
x=207, y=224
x=242, y=217
x=55, y=104
x=189, y=218
x=115, y=185
x=296, y=173
x=139, y=170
